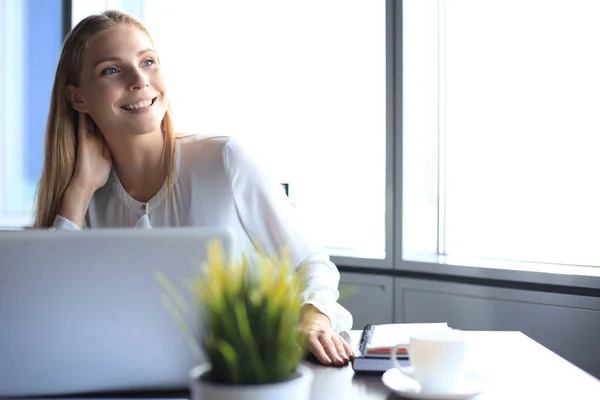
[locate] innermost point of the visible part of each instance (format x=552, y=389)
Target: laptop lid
x=81, y=312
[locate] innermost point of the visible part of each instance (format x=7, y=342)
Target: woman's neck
x=138, y=162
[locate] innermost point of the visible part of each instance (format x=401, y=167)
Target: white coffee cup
x=437, y=360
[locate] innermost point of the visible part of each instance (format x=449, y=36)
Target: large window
x=302, y=84
x=489, y=105
x=501, y=129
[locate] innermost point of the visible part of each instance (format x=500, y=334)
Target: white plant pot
x=296, y=388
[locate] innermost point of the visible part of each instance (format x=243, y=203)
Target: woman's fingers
x=331, y=349
x=347, y=347
x=93, y=161
x=315, y=347
x=82, y=128
x=321, y=340
x=339, y=346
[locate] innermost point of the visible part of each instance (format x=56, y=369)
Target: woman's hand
x=92, y=169
x=322, y=341
x=93, y=163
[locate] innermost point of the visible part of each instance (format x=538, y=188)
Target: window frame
x=2, y=119
x=538, y=276
x=13, y=154
x=393, y=119
x=7, y=142
x=387, y=261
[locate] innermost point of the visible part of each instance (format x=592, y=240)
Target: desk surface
x=528, y=371
x=515, y=367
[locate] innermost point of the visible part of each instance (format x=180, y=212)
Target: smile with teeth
x=139, y=106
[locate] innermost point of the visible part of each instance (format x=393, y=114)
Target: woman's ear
x=75, y=99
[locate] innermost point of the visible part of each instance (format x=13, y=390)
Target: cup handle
x=407, y=371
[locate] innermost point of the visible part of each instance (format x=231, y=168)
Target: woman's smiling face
x=121, y=83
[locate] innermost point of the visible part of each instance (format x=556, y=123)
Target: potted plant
x=249, y=313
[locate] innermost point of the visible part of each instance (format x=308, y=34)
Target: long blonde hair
x=60, y=144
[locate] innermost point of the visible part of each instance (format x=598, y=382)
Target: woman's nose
x=138, y=80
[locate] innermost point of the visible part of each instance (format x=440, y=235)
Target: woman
x=112, y=160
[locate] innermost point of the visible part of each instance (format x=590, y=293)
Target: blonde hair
x=60, y=144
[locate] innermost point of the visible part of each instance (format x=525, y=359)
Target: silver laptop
x=81, y=312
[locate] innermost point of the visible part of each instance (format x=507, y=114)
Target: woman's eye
x=109, y=71
x=148, y=62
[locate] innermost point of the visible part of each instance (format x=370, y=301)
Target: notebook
x=376, y=342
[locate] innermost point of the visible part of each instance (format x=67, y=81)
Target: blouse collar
x=147, y=207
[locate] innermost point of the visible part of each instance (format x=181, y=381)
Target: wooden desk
x=515, y=366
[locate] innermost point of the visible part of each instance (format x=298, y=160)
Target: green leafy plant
x=249, y=313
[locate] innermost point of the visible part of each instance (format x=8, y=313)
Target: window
x=500, y=129
x=496, y=108
x=30, y=40
x=303, y=85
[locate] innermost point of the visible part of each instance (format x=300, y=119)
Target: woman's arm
x=92, y=169
x=73, y=209
x=272, y=223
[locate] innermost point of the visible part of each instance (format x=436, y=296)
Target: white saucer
x=410, y=389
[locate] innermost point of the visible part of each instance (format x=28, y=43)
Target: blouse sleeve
x=63, y=224
x=271, y=223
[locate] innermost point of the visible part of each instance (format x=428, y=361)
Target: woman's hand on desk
x=329, y=347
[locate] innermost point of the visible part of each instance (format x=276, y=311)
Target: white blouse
x=215, y=182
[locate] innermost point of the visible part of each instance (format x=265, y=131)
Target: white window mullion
x=441, y=134
x=2, y=111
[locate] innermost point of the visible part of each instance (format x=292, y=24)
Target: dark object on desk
x=381, y=362
x=365, y=338
x=310, y=357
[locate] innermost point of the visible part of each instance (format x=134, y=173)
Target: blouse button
x=144, y=207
